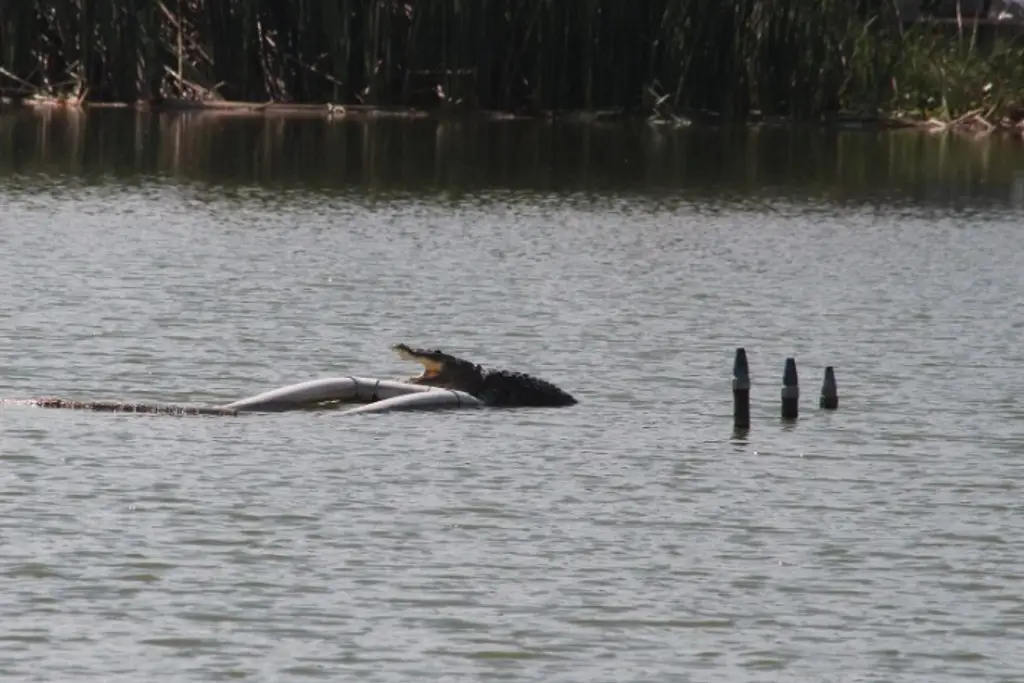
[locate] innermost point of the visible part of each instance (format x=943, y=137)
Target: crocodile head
x=441, y=369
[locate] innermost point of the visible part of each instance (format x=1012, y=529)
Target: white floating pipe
x=428, y=400
x=331, y=389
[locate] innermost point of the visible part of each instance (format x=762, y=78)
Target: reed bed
x=796, y=59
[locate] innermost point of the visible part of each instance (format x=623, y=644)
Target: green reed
x=794, y=58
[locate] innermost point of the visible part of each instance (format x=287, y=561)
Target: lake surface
x=632, y=537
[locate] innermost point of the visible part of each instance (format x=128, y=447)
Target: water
x=629, y=538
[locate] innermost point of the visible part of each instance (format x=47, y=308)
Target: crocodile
x=495, y=387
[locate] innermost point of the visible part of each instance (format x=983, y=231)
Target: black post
x=790, y=391
x=829, y=390
x=741, y=390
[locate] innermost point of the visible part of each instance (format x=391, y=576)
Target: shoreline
x=972, y=124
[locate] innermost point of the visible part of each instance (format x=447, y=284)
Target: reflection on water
x=425, y=155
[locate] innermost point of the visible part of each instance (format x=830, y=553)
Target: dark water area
x=393, y=156
x=632, y=537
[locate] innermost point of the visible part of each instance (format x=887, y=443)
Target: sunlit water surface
x=629, y=538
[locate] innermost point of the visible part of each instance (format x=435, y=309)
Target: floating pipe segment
x=121, y=407
x=381, y=394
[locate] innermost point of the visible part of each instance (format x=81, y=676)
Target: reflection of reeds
x=409, y=156
x=794, y=58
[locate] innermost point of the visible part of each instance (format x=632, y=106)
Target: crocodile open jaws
x=498, y=388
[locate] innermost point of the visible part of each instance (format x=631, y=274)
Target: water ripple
x=628, y=538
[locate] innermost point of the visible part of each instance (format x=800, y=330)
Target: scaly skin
x=499, y=388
